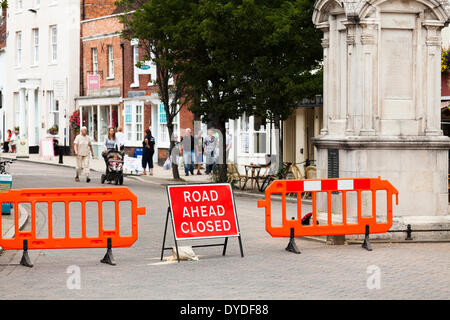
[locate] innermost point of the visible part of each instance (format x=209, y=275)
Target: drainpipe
x=122, y=46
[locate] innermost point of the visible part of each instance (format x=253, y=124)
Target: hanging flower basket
x=445, y=60
x=74, y=121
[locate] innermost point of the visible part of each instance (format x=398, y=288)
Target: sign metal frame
x=170, y=213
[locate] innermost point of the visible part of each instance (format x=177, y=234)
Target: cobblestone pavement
x=407, y=271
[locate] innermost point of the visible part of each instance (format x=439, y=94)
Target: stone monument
x=381, y=103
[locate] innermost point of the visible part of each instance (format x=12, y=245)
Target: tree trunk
x=175, y=172
x=222, y=167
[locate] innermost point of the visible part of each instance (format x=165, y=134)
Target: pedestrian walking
x=7, y=140
x=210, y=147
x=13, y=142
x=148, y=152
x=187, y=145
x=198, y=141
x=82, y=146
x=120, y=138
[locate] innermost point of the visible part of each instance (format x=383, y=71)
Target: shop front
x=97, y=115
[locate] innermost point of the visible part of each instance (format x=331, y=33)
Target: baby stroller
x=114, y=167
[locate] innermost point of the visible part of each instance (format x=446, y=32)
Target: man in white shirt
x=82, y=145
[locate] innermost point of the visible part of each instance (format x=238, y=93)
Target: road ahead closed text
x=203, y=211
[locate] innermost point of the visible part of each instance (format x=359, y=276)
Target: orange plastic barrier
x=106, y=238
x=295, y=228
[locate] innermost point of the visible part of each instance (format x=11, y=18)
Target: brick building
x=113, y=91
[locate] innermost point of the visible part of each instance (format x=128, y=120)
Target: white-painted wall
x=2, y=89
x=27, y=78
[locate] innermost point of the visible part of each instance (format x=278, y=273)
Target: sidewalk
x=160, y=176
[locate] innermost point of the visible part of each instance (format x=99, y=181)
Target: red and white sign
x=93, y=82
x=203, y=211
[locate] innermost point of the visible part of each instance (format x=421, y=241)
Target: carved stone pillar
x=326, y=77
x=368, y=41
x=433, y=78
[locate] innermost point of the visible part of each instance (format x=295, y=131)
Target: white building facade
x=42, y=68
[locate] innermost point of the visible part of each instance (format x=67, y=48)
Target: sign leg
x=225, y=247
x=240, y=246
x=165, y=234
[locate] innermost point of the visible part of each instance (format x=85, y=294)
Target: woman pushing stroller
x=113, y=159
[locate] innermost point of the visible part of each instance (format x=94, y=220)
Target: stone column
x=31, y=116
x=433, y=84
x=352, y=80
x=326, y=77
x=22, y=115
x=369, y=78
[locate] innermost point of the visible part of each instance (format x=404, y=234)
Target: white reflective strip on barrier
x=312, y=186
x=345, y=185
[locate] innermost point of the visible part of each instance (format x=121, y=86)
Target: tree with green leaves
x=3, y=4
x=231, y=56
x=287, y=67
x=154, y=23
x=217, y=48
x=261, y=57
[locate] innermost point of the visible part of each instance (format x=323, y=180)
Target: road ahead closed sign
x=203, y=211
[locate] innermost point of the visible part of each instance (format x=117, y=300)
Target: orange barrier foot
x=366, y=244
x=25, y=261
x=292, y=246
x=109, y=258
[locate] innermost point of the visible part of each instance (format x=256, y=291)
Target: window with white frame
x=37, y=3
x=35, y=46
x=19, y=5
x=163, y=132
x=18, y=48
x=253, y=135
x=53, y=43
x=110, y=62
x=245, y=134
x=135, y=48
x=134, y=123
x=259, y=135
x=94, y=54
x=53, y=107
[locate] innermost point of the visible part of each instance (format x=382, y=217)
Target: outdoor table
x=252, y=173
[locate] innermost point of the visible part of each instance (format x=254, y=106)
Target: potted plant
x=53, y=130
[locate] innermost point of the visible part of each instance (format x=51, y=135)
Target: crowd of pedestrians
x=197, y=149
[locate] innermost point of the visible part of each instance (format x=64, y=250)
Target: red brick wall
x=2, y=28
x=104, y=29
x=97, y=8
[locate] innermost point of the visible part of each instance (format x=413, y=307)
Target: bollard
x=61, y=151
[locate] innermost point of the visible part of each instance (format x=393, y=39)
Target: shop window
x=163, y=132
x=253, y=135
x=134, y=123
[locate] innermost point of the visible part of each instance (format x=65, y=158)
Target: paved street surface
x=408, y=271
